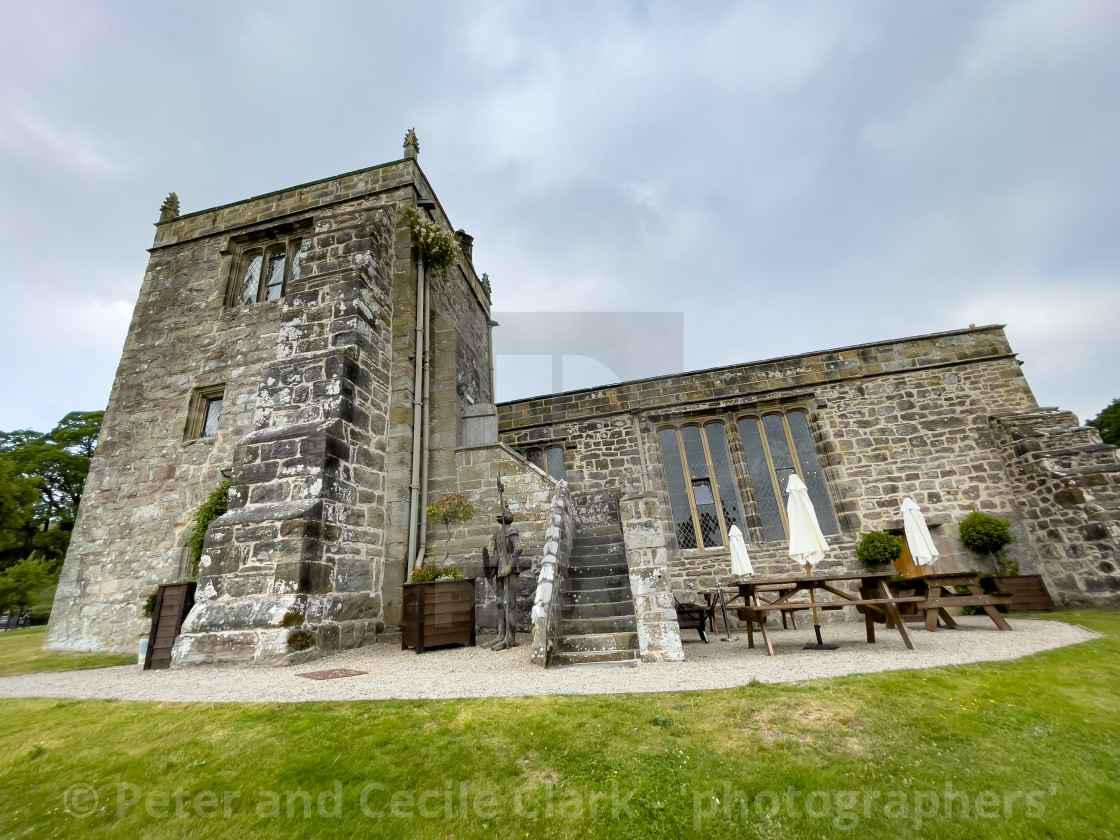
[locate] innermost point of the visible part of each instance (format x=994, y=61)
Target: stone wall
x=306, y=519
x=147, y=478
x=910, y=417
x=529, y=495
x=315, y=427
x=545, y=614
x=460, y=372
x=1068, y=498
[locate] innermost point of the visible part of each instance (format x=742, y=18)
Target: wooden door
x=173, y=603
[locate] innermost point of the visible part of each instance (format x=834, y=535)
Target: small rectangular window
x=204, y=414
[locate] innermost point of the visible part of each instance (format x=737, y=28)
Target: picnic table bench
x=875, y=598
x=936, y=593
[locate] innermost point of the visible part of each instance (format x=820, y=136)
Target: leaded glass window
x=266, y=270
x=702, y=491
x=548, y=458
x=210, y=420
x=776, y=446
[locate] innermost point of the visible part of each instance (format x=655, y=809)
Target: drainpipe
x=425, y=446
x=491, y=323
x=417, y=411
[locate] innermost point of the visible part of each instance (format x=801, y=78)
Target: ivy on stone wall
x=212, y=508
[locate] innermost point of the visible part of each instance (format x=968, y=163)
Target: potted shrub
x=878, y=549
x=988, y=535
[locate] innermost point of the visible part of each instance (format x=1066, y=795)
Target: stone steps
x=597, y=625
x=597, y=609
x=590, y=657
x=597, y=621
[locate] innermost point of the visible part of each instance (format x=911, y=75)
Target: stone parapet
x=545, y=615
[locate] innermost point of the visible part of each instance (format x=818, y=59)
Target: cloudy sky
x=789, y=176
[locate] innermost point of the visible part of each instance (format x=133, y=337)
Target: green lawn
x=21, y=652
x=1021, y=749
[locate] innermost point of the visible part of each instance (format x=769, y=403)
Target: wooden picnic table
x=875, y=598
x=940, y=591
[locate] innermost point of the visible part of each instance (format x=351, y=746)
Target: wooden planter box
x=437, y=613
x=1028, y=593
x=173, y=603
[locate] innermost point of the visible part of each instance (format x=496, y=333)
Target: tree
x=18, y=497
x=56, y=465
x=21, y=584
x=1108, y=423
x=450, y=509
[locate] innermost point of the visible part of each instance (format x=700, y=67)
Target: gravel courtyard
x=476, y=672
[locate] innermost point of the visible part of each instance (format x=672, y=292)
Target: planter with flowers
x=438, y=604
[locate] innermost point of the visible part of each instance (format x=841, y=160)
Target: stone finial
x=411, y=144
x=170, y=208
x=486, y=285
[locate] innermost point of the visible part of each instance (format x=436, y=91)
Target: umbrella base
x=819, y=645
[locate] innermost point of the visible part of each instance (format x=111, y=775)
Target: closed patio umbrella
x=918, y=538
x=740, y=561
x=807, y=544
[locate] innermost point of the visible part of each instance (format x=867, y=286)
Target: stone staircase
x=597, y=621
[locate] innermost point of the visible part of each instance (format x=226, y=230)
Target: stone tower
x=275, y=345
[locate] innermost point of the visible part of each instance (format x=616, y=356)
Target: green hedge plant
x=990, y=535
x=877, y=549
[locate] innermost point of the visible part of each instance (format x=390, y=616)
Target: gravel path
x=475, y=672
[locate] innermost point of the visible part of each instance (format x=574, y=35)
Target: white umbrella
x=740, y=560
x=806, y=541
x=922, y=549
x=807, y=544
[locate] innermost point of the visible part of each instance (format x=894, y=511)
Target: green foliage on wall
x=212, y=508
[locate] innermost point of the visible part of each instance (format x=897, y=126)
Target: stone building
x=294, y=345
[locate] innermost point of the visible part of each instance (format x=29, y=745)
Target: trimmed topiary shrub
x=877, y=549
x=984, y=534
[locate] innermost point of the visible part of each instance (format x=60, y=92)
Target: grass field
x=21, y=652
x=1013, y=750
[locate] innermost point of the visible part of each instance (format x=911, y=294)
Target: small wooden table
x=871, y=584
x=940, y=591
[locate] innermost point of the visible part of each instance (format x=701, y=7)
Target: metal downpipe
x=425, y=445
x=417, y=411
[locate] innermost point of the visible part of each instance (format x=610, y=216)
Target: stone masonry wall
x=902, y=418
x=146, y=480
x=305, y=381
x=460, y=353
x=528, y=496
x=301, y=552
x=1068, y=499
x=545, y=614
x=659, y=636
